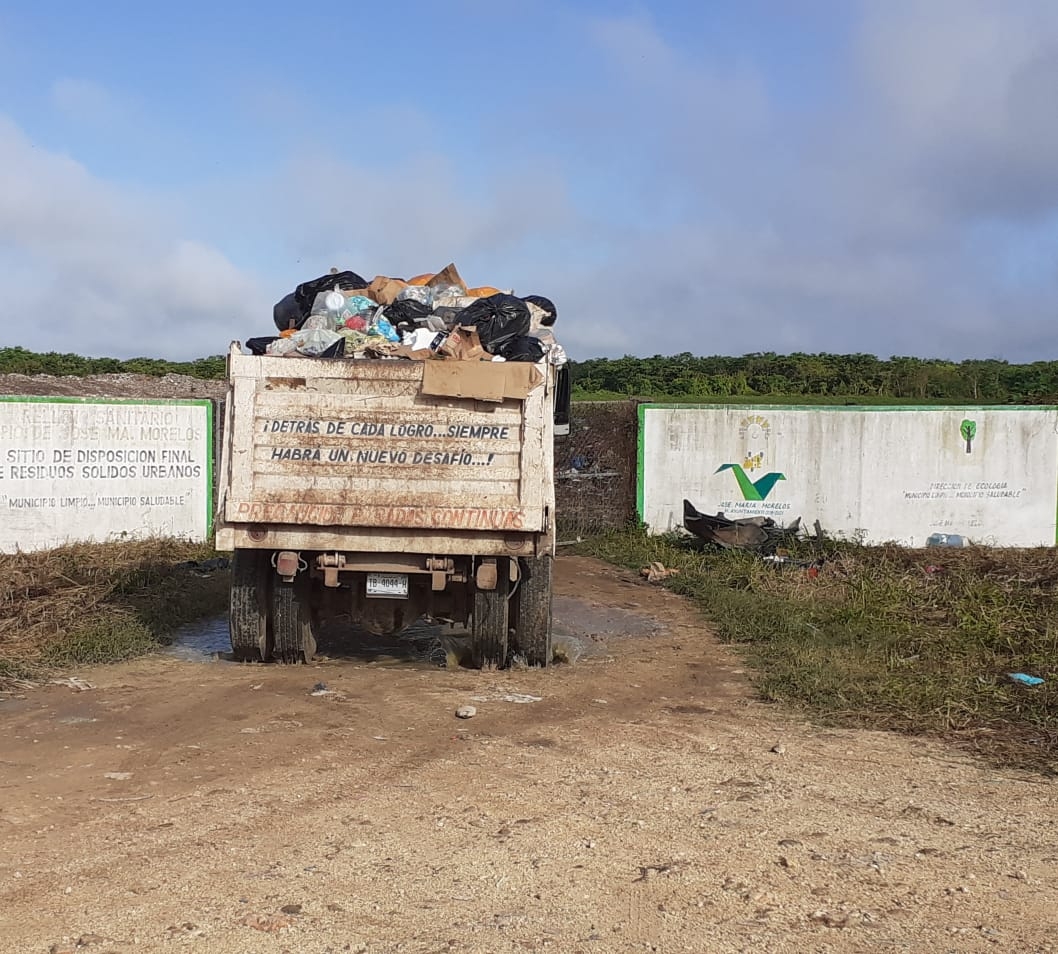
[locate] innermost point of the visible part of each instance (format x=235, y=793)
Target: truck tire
x=489, y=622
x=532, y=610
x=248, y=604
x=292, y=622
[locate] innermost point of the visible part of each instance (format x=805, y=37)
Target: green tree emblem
x=968, y=429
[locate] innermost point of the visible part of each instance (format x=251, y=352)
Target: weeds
x=918, y=641
x=93, y=603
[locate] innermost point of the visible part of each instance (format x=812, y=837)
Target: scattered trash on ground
x=320, y=689
x=748, y=533
x=118, y=776
x=466, y=712
x=811, y=567
x=1025, y=679
x=73, y=682
x=657, y=572
x=947, y=540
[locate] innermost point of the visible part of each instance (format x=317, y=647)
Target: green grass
x=914, y=641
x=98, y=603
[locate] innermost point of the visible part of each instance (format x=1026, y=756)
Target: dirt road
x=644, y=803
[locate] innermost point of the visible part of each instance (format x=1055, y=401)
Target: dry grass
x=919, y=641
x=89, y=603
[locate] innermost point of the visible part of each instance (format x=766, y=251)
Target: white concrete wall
x=897, y=474
x=79, y=470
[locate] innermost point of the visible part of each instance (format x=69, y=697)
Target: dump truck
x=389, y=491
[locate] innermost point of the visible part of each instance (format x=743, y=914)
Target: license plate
x=392, y=585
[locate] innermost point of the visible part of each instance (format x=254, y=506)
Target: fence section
x=595, y=468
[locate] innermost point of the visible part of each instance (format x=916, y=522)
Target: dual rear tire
x=269, y=619
x=524, y=613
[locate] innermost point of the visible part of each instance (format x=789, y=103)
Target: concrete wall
x=886, y=474
x=96, y=469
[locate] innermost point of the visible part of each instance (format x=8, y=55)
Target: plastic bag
x=497, y=319
x=287, y=312
x=418, y=293
x=521, y=348
x=360, y=305
x=356, y=323
x=282, y=346
x=323, y=322
x=549, y=313
x=556, y=354
x=384, y=328
x=406, y=310
x=297, y=306
x=259, y=346
x=313, y=342
x=306, y=292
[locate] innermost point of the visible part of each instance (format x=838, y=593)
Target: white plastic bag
x=312, y=342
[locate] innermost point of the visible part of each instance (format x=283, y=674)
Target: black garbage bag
x=258, y=346
x=546, y=304
x=306, y=292
x=521, y=348
x=497, y=319
x=336, y=350
x=297, y=306
x=406, y=309
x=287, y=312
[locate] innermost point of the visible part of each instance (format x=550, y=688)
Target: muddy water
x=581, y=629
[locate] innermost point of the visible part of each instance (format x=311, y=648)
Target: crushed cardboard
x=480, y=380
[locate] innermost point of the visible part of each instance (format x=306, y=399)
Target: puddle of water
x=581, y=630
x=422, y=643
x=198, y=641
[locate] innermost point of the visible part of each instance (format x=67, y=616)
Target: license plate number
x=392, y=585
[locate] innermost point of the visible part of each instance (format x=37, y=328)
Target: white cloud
x=669, y=204
x=100, y=270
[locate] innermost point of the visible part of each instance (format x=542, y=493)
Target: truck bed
x=385, y=446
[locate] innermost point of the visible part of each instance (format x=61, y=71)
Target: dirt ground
x=644, y=803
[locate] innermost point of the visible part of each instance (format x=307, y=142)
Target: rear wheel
x=531, y=607
x=490, y=619
x=293, y=621
x=248, y=606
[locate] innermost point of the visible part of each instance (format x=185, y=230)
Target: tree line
x=21, y=361
x=685, y=376
x=766, y=374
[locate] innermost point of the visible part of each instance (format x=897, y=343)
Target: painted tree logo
x=968, y=429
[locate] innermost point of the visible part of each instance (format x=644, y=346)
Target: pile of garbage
x=761, y=534
x=431, y=316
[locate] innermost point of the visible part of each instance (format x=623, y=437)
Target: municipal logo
x=753, y=489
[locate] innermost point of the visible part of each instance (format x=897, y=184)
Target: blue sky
x=813, y=175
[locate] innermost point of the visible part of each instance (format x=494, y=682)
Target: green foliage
x=21, y=361
x=884, y=637
x=817, y=379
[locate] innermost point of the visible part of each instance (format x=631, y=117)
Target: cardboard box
x=449, y=275
x=385, y=290
x=481, y=380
